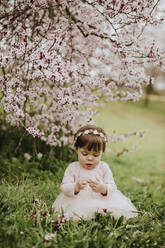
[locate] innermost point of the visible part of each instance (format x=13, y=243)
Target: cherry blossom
x=59, y=57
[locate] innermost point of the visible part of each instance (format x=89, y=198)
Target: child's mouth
x=89, y=165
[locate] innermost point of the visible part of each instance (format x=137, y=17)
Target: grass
x=29, y=187
x=149, y=156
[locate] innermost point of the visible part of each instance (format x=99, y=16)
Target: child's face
x=88, y=159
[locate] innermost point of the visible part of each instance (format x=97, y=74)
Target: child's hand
x=98, y=186
x=81, y=183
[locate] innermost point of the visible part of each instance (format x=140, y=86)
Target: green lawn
x=148, y=158
x=24, y=221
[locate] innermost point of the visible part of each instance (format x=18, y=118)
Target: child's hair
x=91, y=137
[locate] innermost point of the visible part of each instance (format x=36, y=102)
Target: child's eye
x=96, y=155
x=84, y=154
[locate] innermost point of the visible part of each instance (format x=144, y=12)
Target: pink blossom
x=79, y=52
x=49, y=236
x=27, y=156
x=35, y=132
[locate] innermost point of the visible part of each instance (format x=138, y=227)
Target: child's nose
x=89, y=157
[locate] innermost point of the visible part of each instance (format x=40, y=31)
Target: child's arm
x=108, y=179
x=68, y=183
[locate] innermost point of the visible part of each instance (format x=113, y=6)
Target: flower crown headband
x=91, y=131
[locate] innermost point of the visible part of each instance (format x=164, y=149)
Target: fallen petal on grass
x=49, y=236
x=139, y=180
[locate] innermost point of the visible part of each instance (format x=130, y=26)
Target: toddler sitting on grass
x=88, y=185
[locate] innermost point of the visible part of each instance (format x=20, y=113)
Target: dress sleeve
x=109, y=180
x=68, y=182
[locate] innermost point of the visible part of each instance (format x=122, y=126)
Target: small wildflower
x=39, y=155
x=137, y=233
x=62, y=218
x=37, y=202
x=27, y=156
x=45, y=214
x=49, y=236
x=33, y=214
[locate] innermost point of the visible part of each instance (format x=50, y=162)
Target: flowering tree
x=47, y=76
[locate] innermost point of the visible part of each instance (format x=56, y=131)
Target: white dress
x=86, y=203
